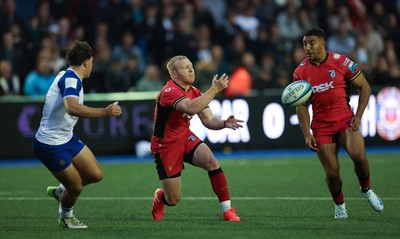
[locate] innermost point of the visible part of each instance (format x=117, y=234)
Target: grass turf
x=276, y=198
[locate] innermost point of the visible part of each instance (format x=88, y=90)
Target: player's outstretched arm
x=73, y=108
x=211, y=122
x=198, y=104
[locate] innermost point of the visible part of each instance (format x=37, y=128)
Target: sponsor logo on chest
x=323, y=87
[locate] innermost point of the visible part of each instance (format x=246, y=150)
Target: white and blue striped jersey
x=56, y=125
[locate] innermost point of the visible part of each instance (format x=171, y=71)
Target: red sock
x=338, y=198
x=364, y=184
x=219, y=184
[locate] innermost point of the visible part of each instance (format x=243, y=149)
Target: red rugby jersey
x=170, y=124
x=330, y=83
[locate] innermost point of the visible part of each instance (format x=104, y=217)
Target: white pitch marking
x=188, y=198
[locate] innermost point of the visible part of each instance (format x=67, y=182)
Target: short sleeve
x=70, y=86
x=171, y=96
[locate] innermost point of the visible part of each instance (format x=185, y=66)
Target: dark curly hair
x=78, y=52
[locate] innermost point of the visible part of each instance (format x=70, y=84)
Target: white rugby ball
x=296, y=93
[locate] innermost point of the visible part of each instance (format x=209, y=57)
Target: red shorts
x=329, y=133
x=169, y=157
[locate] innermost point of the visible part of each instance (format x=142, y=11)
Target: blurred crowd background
x=257, y=42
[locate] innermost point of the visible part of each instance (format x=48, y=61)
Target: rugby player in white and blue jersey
x=55, y=144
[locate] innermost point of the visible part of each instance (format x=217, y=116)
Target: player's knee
x=95, y=177
x=173, y=201
x=98, y=177
x=212, y=163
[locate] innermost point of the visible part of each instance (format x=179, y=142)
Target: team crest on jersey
x=168, y=89
x=336, y=56
x=388, y=113
x=192, y=138
x=332, y=73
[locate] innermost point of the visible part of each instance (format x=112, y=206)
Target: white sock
x=65, y=212
x=226, y=205
x=59, y=190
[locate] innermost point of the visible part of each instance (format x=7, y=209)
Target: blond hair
x=171, y=63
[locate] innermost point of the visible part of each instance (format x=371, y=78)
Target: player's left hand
x=232, y=123
x=113, y=109
x=355, y=124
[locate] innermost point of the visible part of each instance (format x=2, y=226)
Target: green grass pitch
x=275, y=198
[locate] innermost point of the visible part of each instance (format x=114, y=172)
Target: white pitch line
x=188, y=198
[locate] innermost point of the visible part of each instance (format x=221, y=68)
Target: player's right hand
x=220, y=83
x=311, y=143
x=113, y=110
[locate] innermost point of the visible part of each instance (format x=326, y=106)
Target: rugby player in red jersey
x=173, y=143
x=333, y=123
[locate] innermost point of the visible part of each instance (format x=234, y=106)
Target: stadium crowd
x=257, y=42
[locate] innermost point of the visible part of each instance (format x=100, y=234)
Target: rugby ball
x=296, y=93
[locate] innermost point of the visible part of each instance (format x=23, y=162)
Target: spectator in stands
x=101, y=65
x=45, y=19
x=378, y=17
x=373, y=42
x=228, y=29
x=394, y=67
x=203, y=16
x=9, y=17
x=340, y=17
x=64, y=33
x=203, y=43
x=283, y=78
x=133, y=72
x=116, y=78
x=15, y=53
x=381, y=70
x=235, y=50
x=260, y=45
x=113, y=14
x=361, y=56
x=204, y=68
x=219, y=60
x=34, y=34
x=149, y=32
x=136, y=15
x=289, y=24
x=57, y=61
x=247, y=21
x=128, y=48
x=276, y=44
x=342, y=41
x=240, y=81
x=183, y=40
x=359, y=15
x=39, y=80
x=267, y=75
x=218, y=9
x=151, y=80
x=9, y=82
x=392, y=31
